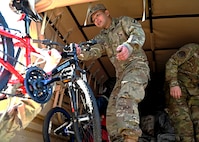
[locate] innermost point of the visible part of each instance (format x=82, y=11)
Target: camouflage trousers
x=17, y=117
x=184, y=114
x=122, y=112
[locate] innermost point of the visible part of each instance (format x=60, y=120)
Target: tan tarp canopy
x=45, y=5
x=168, y=25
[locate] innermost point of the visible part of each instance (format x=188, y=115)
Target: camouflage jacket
x=123, y=30
x=183, y=67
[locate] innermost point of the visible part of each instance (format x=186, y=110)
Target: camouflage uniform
x=182, y=69
x=132, y=75
x=18, y=116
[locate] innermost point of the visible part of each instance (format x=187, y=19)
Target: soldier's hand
x=78, y=49
x=175, y=92
x=123, y=52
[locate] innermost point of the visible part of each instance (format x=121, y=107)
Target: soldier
x=182, y=76
x=122, y=40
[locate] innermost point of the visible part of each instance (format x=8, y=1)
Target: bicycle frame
x=38, y=82
x=22, y=42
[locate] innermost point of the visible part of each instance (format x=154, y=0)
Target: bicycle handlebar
x=83, y=45
x=50, y=42
x=47, y=42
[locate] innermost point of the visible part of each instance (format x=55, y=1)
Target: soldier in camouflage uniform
x=182, y=75
x=122, y=40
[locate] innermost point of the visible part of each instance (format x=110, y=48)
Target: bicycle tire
x=88, y=130
x=7, y=49
x=50, y=124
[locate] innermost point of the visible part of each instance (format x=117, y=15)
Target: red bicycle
x=10, y=53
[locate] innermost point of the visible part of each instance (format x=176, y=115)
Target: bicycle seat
x=24, y=7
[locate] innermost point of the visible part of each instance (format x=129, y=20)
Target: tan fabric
x=45, y=5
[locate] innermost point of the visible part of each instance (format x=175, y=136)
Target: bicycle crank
x=34, y=85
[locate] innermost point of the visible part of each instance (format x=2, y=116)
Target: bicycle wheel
x=88, y=127
x=57, y=126
x=6, y=52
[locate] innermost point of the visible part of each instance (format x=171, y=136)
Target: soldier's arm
x=177, y=59
x=136, y=35
x=95, y=51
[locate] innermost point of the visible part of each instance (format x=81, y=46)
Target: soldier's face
x=101, y=19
